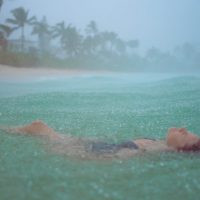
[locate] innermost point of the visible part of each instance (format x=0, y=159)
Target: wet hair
x=195, y=147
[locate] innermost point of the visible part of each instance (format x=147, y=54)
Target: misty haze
x=120, y=36
x=99, y=99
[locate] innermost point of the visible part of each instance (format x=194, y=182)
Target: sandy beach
x=18, y=73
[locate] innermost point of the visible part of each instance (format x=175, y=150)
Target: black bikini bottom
x=104, y=147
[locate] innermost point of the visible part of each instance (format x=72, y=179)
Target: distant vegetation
x=63, y=45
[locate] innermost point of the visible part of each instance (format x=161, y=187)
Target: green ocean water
x=110, y=107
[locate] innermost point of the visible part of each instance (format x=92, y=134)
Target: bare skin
x=178, y=139
x=182, y=140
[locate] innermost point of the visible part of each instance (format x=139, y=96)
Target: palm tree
x=120, y=46
x=108, y=40
x=59, y=31
x=5, y=32
x=92, y=28
x=19, y=20
x=41, y=29
x=87, y=45
x=71, y=41
x=1, y=4
x=91, y=43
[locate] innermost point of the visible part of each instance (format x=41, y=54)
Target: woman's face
x=180, y=138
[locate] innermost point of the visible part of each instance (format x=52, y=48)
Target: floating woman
x=177, y=139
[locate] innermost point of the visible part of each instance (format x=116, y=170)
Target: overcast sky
x=160, y=23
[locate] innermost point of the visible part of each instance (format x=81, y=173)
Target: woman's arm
x=36, y=128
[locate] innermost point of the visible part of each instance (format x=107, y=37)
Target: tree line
x=94, y=48
x=71, y=41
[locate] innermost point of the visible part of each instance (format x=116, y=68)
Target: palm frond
x=32, y=20
x=7, y=29
x=12, y=21
x=1, y=3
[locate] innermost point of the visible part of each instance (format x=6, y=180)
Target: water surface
x=112, y=107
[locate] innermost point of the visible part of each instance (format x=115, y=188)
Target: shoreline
x=8, y=72
x=20, y=74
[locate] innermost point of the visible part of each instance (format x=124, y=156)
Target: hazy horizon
x=159, y=23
